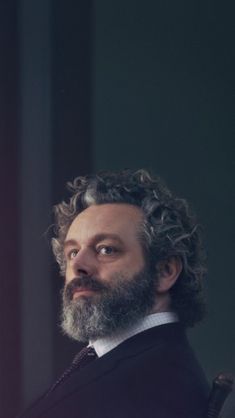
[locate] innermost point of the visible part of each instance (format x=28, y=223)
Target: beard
x=111, y=308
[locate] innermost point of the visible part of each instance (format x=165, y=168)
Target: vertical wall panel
x=35, y=54
x=72, y=33
x=10, y=369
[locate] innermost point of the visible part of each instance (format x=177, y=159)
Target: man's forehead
x=110, y=218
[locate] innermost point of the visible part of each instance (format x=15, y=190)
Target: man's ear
x=168, y=272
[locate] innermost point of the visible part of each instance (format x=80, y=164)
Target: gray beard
x=113, y=308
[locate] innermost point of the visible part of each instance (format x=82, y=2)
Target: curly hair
x=169, y=229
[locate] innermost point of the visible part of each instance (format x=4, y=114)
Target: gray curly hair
x=169, y=229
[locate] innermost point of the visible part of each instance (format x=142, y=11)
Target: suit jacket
x=153, y=374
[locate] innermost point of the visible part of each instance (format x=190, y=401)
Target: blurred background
x=90, y=85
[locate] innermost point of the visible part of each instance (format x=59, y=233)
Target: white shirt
x=106, y=344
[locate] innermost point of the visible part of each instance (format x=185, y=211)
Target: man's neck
x=162, y=303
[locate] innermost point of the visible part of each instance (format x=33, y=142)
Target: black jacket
x=153, y=374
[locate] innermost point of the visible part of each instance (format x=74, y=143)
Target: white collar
x=106, y=344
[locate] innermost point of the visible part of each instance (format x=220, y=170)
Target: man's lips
x=79, y=291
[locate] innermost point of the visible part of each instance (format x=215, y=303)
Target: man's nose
x=84, y=263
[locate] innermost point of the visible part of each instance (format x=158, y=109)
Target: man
x=131, y=256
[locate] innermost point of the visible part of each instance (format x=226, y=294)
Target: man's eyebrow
x=95, y=238
x=103, y=236
x=69, y=242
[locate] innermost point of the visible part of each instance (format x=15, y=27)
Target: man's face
x=107, y=283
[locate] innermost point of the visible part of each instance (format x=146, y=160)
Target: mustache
x=84, y=282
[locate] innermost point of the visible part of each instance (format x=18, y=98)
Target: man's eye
x=72, y=254
x=107, y=250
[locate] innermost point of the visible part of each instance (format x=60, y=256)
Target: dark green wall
x=163, y=77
